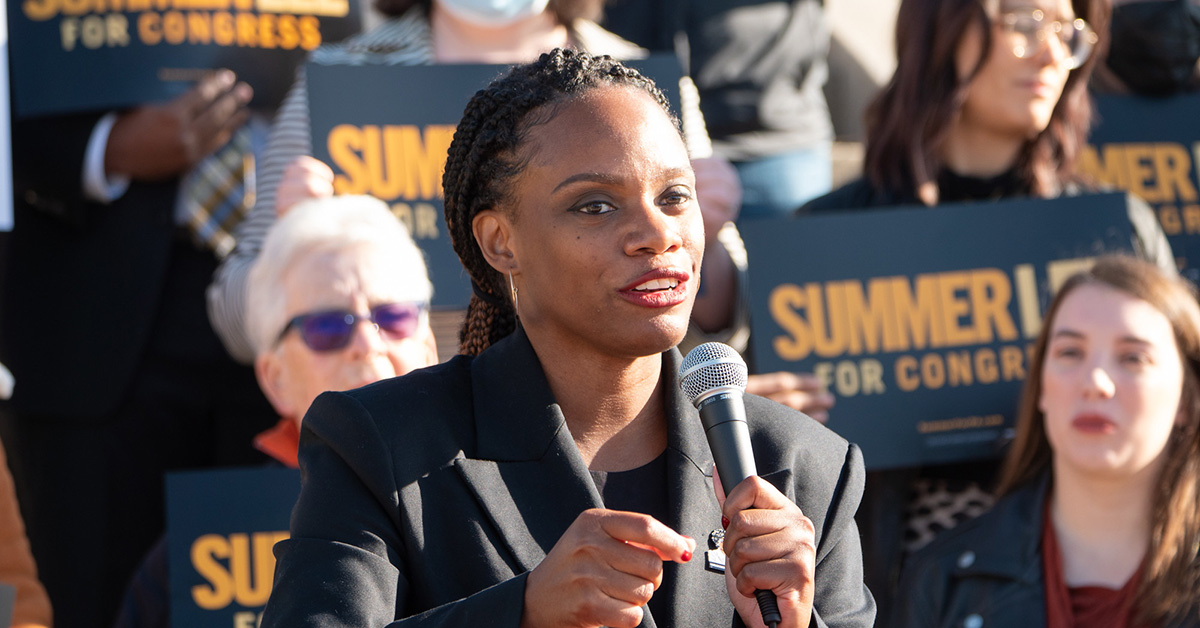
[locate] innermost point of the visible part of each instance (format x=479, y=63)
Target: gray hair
x=322, y=225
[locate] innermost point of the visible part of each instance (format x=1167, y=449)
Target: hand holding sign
x=719, y=192
x=303, y=179
x=160, y=141
x=800, y=391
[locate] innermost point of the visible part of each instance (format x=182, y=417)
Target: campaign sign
x=385, y=131
x=88, y=55
x=1151, y=147
x=920, y=320
x=221, y=529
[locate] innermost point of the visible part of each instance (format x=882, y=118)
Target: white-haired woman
x=338, y=300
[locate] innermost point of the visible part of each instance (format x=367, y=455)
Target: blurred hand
x=769, y=545
x=603, y=569
x=303, y=179
x=719, y=192
x=160, y=141
x=799, y=391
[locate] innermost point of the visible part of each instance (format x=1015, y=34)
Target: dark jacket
x=430, y=496
x=84, y=281
x=986, y=572
x=760, y=66
x=989, y=567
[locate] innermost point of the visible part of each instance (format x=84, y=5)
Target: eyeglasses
x=331, y=330
x=1030, y=30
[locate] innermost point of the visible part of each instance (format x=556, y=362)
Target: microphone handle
x=724, y=419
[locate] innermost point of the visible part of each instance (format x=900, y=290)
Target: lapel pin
x=714, y=558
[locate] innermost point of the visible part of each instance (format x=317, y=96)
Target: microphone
x=714, y=377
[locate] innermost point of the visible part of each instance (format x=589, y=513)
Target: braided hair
x=483, y=160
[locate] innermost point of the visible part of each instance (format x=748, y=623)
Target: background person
x=527, y=461
x=985, y=103
x=760, y=67
x=326, y=262
x=338, y=259
x=105, y=329
x=1154, y=49
x=1099, y=523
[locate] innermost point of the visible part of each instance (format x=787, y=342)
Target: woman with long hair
x=1099, y=520
x=989, y=99
x=554, y=474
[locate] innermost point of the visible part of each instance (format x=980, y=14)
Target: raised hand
x=303, y=179
x=719, y=192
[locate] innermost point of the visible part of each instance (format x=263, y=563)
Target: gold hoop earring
x=512, y=286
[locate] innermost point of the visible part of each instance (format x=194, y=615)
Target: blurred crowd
x=211, y=320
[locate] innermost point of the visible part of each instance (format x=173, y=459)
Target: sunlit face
x=1111, y=383
x=1010, y=96
x=605, y=231
x=355, y=280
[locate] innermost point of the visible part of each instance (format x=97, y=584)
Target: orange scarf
x=281, y=442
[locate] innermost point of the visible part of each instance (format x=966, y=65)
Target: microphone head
x=709, y=368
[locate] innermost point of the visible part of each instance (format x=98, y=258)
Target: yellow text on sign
x=892, y=314
x=236, y=568
x=40, y=10
x=1157, y=172
x=392, y=162
x=174, y=28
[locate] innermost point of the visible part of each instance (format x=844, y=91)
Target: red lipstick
x=662, y=287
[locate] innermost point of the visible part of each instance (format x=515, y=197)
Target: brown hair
x=1171, y=569
x=566, y=11
x=907, y=122
x=483, y=159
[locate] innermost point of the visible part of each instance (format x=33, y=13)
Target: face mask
x=493, y=13
x=1155, y=45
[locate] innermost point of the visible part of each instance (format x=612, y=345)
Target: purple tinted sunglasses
x=331, y=330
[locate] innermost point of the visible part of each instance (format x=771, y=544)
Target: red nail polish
x=724, y=521
x=687, y=556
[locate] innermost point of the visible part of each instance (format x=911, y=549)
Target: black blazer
x=430, y=496
x=985, y=572
x=83, y=281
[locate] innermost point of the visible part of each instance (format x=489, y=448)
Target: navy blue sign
x=920, y=320
x=1151, y=148
x=72, y=55
x=221, y=529
x=385, y=131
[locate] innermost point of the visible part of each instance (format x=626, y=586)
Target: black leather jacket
x=986, y=573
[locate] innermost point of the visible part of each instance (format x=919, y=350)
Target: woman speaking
x=555, y=475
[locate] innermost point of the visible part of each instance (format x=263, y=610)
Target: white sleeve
x=97, y=185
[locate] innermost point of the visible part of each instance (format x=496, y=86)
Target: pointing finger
x=649, y=533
